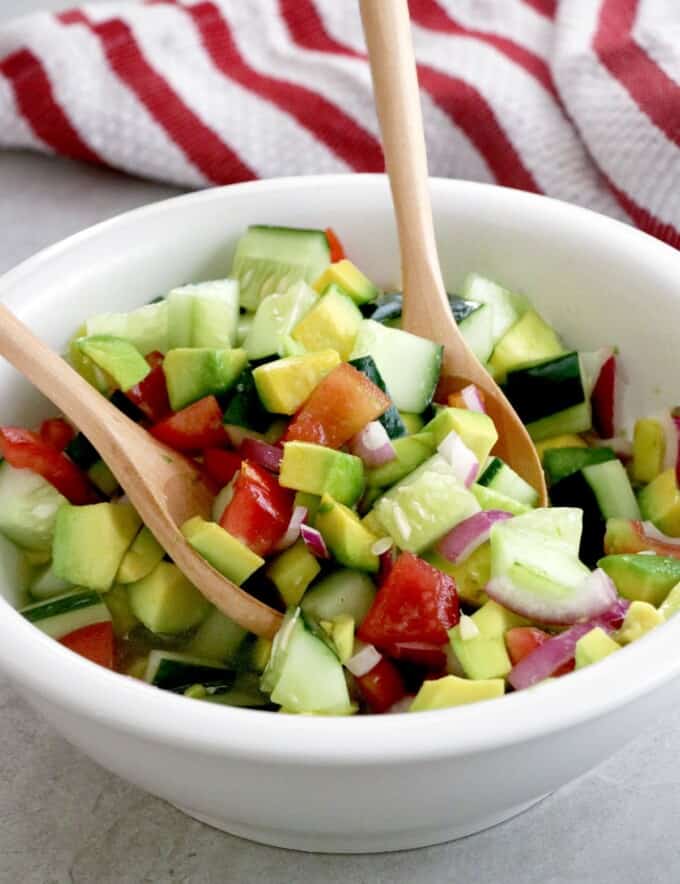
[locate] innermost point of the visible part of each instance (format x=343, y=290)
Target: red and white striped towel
x=579, y=99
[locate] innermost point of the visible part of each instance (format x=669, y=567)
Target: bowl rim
x=59, y=677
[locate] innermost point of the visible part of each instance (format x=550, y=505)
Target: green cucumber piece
x=145, y=328
x=506, y=306
x=343, y=592
x=490, y=499
x=577, y=419
x=204, y=315
x=392, y=350
x=28, y=508
x=245, y=409
x=46, y=584
x=276, y=317
x=192, y=373
x=391, y=419
x=272, y=259
x=64, y=614
x=82, y=452
x=502, y=478
x=217, y=638
x=477, y=329
x=546, y=388
x=559, y=463
x=174, y=671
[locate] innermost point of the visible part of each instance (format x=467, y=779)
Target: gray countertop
x=63, y=818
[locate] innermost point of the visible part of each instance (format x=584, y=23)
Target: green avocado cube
x=123, y=618
x=410, y=451
x=660, y=503
x=284, y=384
x=225, y=553
x=485, y=655
x=332, y=323
x=120, y=359
x=142, y=557
x=90, y=542
x=192, y=373
x=346, y=536
x=217, y=638
x=320, y=470
x=440, y=693
x=349, y=279
x=642, y=577
x=166, y=602
x=593, y=647
x=530, y=339
x=641, y=618
x=476, y=430
x=425, y=505
x=292, y=571
x=671, y=604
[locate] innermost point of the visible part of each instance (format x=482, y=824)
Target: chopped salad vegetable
x=355, y=489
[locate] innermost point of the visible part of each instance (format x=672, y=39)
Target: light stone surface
x=64, y=819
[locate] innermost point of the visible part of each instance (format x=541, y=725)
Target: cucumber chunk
x=145, y=328
x=204, y=315
x=502, y=478
x=343, y=592
x=64, y=614
x=506, y=306
x=28, y=508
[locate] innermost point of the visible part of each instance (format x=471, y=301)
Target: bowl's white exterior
x=376, y=783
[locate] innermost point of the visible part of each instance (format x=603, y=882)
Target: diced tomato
x=259, y=511
x=417, y=603
x=523, y=640
x=341, y=405
x=151, y=394
x=57, y=432
x=27, y=451
x=603, y=398
x=221, y=465
x=382, y=687
x=193, y=428
x=94, y=642
x=429, y=656
x=334, y=244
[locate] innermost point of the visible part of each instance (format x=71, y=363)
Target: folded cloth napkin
x=578, y=99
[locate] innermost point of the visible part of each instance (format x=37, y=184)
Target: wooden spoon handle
x=91, y=412
x=397, y=97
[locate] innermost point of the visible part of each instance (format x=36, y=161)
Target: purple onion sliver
x=459, y=457
x=652, y=532
x=469, y=534
x=262, y=453
x=315, y=542
x=373, y=445
x=548, y=657
x=293, y=530
x=472, y=399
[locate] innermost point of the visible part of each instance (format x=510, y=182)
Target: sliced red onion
x=293, y=529
x=594, y=596
x=373, y=445
x=363, y=660
x=382, y=546
x=472, y=399
x=469, y=534
x=402, y=705
x=559, y=649
x=456, y=453
x=315, y=542
x=650, y=530
x=387, y=560
x=262, y=453
x=670, y=430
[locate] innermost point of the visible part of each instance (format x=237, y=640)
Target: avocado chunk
x=311, y=502
x=476, y=430
x=142, y=557
x=166, y=602
x=292, y=571
x=320, y=470
x=349, y=279
x=332, y=323
x=440, y=693
x=346, y=536
x=530, y=339
x=485, y=655
x=102, y=478
x=261, y=652
x=284, y=384
x=192, y=373
x=123, y=618
x=425, y=505
x=471, y=575
x=120, y=359
x=275, y=318
x=640, y=618
x=413, y=422
x=217, y=638
x=649, y=450
x=411, y=452
x=671, y=604
x=342, y=633
x=225, y=553
x=642, y=577
x=593, y=647
x=490, y=499
x=90, y=542
x=660, y=503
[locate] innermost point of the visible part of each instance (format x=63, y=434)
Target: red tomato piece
x=602, y=399
x=259, y=511
x=94, y=642
x=341, y=405
x=334, y=244
x=382, y=687
x=523, y=640
x=57, y=432
x=221, y=465
x=193, y=428
x=417, y=603
x=429, y=656
x=151, y=394
x=27, y=451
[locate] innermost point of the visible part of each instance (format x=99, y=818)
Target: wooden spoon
x=426, y=309
x=165, y=488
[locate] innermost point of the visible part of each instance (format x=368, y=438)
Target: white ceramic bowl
x=371, y=783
